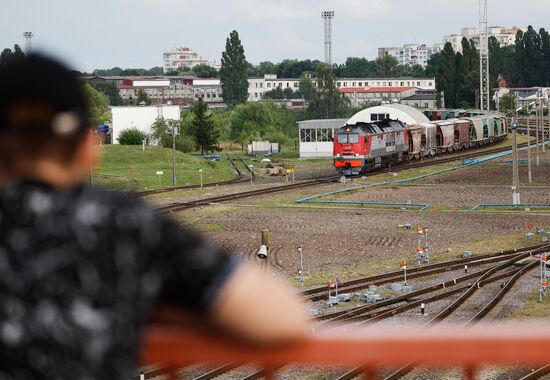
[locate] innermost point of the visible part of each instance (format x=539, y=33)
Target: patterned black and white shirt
x=80, y=271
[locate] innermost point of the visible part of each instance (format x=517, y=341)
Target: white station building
x=316, y=135
x=140, y=117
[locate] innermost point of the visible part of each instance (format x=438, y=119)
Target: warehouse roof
x=396, y=111
x=420, y=97
x=389, y=89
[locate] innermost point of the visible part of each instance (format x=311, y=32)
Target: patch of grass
x=119, y=159
x=478, y=247
x=204, y=228
x=534, y=309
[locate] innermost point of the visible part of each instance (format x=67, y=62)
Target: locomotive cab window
x=351, y=138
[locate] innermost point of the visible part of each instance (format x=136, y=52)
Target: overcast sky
x=92, y=34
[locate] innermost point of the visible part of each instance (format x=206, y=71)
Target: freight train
x=364, y=146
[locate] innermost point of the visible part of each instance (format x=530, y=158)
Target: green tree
x=161, y=133
x=142, y=97
x=507, y=103
x=386, y=66
x=17, y=52
x=131, y=136
x=98, y=104
x=545, y=52
x=445, y=77
x=266, y=68
x=110, y=89
x=234, y=71
x=205, y=71
x=495, y=61
x=355, y=67
x=327, y=101
x=433, y=64
x=276, y=93
x=466, y=80
x=307, y=88
x=202, y=129
x=8, y=55
x=155, y=71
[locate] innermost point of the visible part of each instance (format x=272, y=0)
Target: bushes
x=131, y=136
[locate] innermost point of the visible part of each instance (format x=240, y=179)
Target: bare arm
x=258, y=306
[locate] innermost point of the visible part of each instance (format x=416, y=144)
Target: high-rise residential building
x=505, y=36
x=182, y=57
x=410, y=54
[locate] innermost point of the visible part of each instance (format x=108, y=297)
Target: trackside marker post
x=160, y=173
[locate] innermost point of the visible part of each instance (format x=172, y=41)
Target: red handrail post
x=269, y=371
x=470, y=372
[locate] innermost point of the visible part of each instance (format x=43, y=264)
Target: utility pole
x=484, y=94
x=541, y=104
x=515, y=168
x=328, y=16
x=537, y=125
x=91, y=168
x=301, y=271
x=529, y=174
x=548, y=113
x=173, y=152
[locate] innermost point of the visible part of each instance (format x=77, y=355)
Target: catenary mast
x=484, y=85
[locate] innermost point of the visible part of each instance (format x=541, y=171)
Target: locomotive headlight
x=356, y=154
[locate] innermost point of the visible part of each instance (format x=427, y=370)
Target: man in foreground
x=82, y=269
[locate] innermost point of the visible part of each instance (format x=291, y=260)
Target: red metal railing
x=370, y=348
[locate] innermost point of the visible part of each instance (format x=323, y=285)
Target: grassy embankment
x=118, y=160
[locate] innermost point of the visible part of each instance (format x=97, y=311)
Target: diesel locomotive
x=365, y=146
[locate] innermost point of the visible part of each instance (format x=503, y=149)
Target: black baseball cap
x=41, y=96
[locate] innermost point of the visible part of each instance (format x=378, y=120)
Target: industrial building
x=163, y=89
x=316, y=137
x=140, y=117
x=359, y=95
x=258, y=86
x=423, y=99
x=401, y=112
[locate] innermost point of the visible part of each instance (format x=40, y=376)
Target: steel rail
x=359, y=313
x=460, y=300
x=316, y=292
x=483, y=278
x=538, y=373
x=449, y=157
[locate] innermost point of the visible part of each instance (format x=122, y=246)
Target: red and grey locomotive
x=362, y=147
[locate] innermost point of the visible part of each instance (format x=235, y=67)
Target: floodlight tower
x=484, y=90
x=328, y=16
x=28, y=41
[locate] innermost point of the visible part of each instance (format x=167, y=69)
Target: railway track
x=176, y=207
x=318, y=293
x=537, y=374
x=483, y=277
